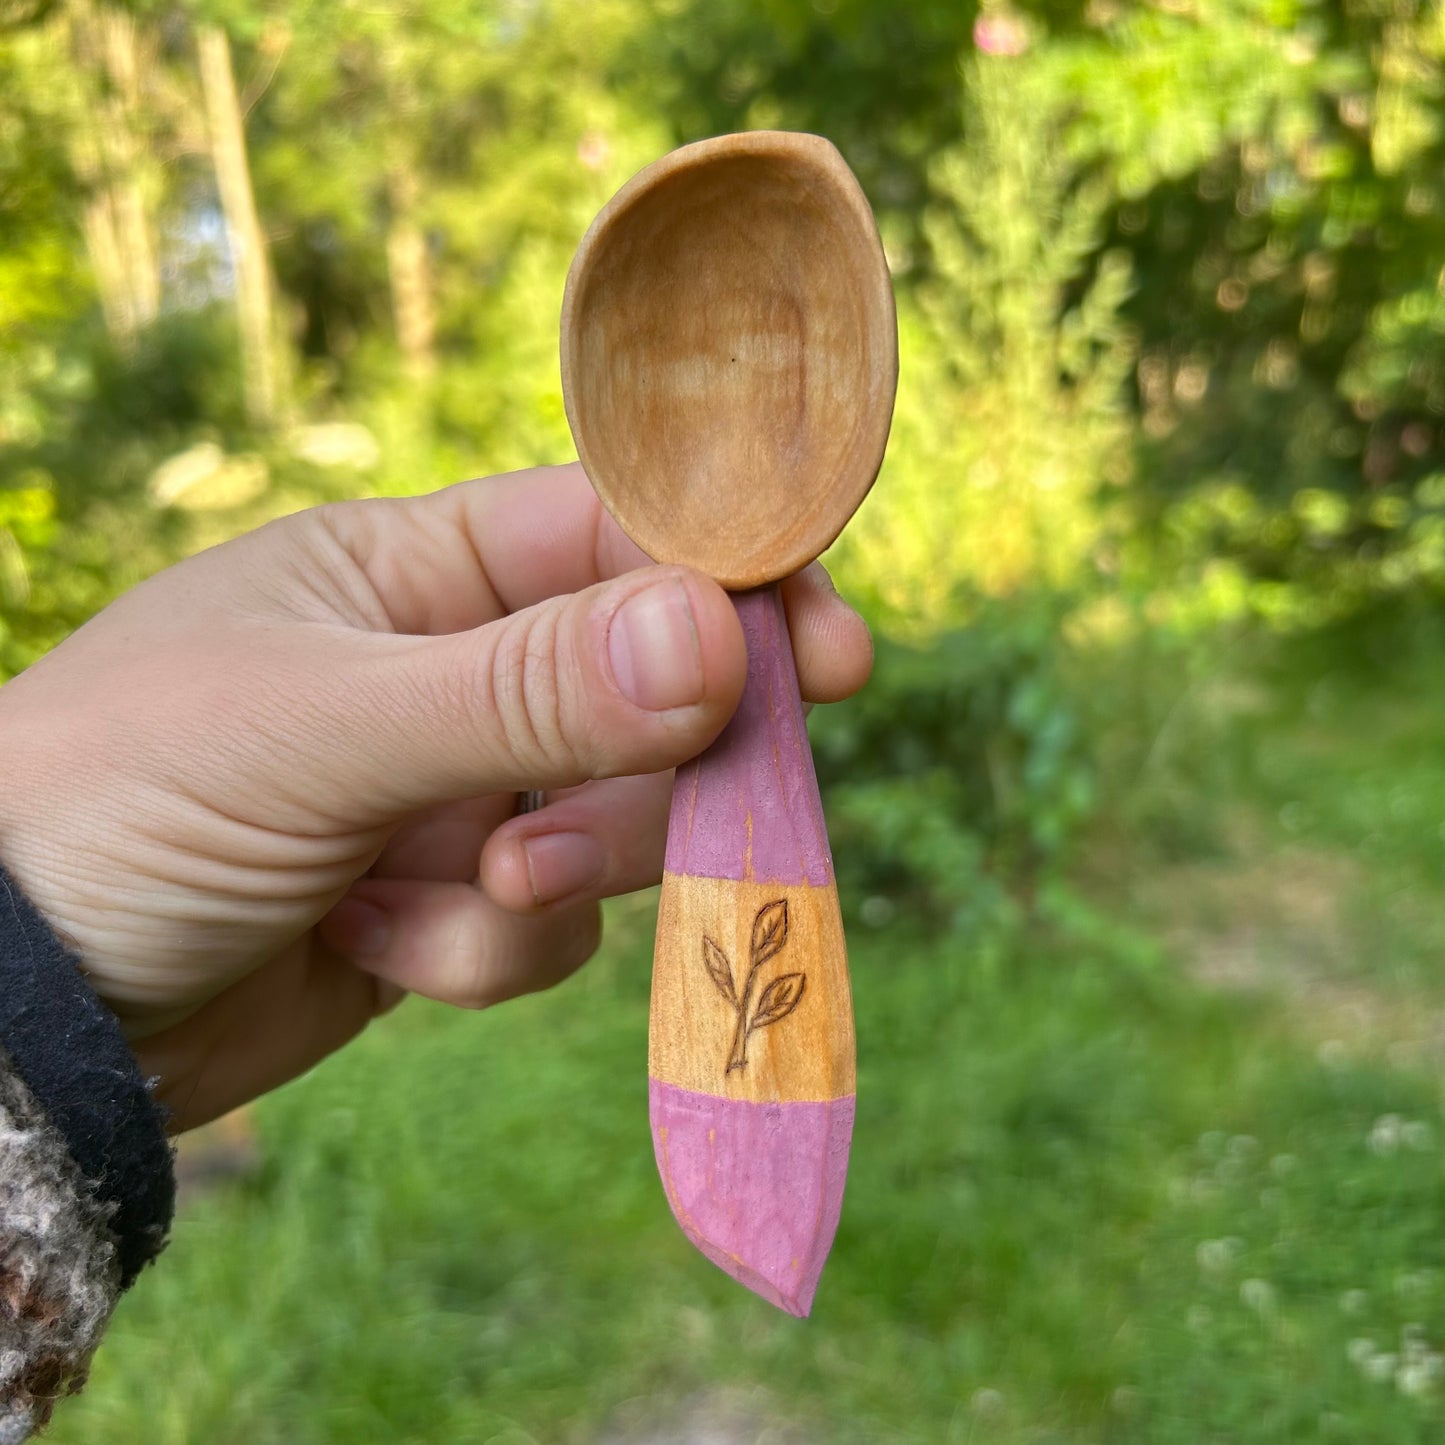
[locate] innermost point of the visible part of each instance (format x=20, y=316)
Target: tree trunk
x=134, y=224
x=111, y=158
x=106, y=261
x=261, y=357
x=409, y=272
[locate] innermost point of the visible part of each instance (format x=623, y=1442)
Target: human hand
x=273, y=788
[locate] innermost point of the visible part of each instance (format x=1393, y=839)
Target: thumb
x=634, y=675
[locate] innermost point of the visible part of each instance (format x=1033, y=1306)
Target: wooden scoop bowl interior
x=729, y=354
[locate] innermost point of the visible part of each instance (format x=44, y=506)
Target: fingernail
x=825, y=578
x=561, y=864
x=652, y=645
x=358, y=928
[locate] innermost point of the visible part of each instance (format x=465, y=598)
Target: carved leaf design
x=719, y=970
x=770, y=931
x=779, y=999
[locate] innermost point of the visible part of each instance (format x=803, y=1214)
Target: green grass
x=1094, y=1197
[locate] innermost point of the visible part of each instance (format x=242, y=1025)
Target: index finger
x=458, y=558
x=540, y=533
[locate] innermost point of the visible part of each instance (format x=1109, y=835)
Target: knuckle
x=524, y=692
x=549, y=951
x=472, y=981
x=571, y=941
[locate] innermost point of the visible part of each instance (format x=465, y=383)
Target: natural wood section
x=730, y=354
x=710, y=934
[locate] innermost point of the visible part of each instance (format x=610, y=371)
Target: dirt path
x=1288, y=922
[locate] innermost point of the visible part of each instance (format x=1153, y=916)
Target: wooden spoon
x=729, y=361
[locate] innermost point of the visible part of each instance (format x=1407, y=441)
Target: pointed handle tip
x=786, y=1166
x=798, y=1302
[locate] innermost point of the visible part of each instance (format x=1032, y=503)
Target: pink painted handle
x=752, y=1140
x=748, y=808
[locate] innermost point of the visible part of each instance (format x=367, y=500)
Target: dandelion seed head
x=1384, y=1136
x=877, y=910
x=1416, y=1134
x=1214, y=1256
x=987, y=1402
x=1359, y=1350
x=1413, y=1378
x=1413, y=1283
x=1381, y=1367
x=1258, y=1295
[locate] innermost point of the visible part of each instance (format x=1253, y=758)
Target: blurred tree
x=1291, y=346
x=1021, y=403
x=264, y=367
x=430, y=171
x=1182, y=257
x=102, y=71
x=881, y=81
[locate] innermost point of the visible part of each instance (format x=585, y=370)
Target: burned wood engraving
x=777, y=1000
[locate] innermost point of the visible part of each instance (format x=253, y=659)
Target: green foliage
x=962, y=774
x=1087, y=1200
x=1018, y=319
x=75, y=474
x=1288, y=339
x=1172, y=341
x=1149, y=257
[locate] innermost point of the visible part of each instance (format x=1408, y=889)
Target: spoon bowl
x=729, y=354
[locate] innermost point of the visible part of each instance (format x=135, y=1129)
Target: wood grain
x=808, y=1054
x=730, y=354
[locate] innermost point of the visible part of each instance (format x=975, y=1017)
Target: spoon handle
x=751, y=1053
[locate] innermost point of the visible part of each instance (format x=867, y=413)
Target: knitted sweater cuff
x=59, y=1274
